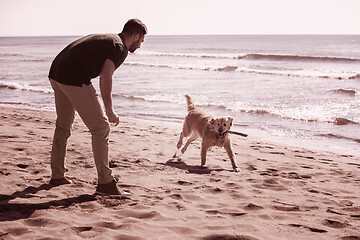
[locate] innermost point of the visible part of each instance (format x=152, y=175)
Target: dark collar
x=122, y=37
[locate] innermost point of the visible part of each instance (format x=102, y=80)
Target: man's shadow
x=178, y=163
x=14, y=211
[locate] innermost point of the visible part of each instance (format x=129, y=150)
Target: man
x=70, y=77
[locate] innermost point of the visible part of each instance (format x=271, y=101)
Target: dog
x=213, y=131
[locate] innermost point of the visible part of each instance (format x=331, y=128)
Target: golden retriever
x=213, y=131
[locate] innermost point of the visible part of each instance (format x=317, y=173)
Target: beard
x=135, y=46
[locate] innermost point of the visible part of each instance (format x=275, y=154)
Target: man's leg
x=65, y=117
x=87, y=104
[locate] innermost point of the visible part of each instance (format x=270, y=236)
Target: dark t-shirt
x=83, y=59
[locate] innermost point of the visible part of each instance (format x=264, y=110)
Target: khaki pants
x=86, y=102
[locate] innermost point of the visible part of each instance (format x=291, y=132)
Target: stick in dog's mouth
x=237, y=133
x=221, y=135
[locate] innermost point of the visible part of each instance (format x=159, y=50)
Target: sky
x=179, y=17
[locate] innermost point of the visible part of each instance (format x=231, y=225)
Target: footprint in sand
x=110, y=225
x=140, y=214
x=176, y=196
x=307, y=157
x=15, y=231
x=112, y=201
x=4, y=173
x=294, y=175
x=317, y=230
x=8, y=136
x=217, y=212
x=253, y=207
x=261, y=159
x=184, y=183
x=270, y=172
x=19, y=149
x=82, y=229
x=355, y=164
x=286, y=208
x=325, y=161
x=334, y=224
x=330, y=210
x=251, y=168
x=37, y=222
x=277, y=153
x=307, y=167
x=350, y=238
x=270, y=183
x=23, y=166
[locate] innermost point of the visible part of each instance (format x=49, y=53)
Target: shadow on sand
x=14, y=211
x=177, y=163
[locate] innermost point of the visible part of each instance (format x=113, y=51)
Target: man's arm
x=106, y=74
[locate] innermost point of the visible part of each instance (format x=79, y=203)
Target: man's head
x=134, y=31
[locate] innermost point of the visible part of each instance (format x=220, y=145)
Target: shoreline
x=258, y=134
x=281, y=192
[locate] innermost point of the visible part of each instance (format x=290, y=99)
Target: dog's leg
x=204, y=149
x=180, y=142
x=231, y=155
x=185, y=133
x=192, y=138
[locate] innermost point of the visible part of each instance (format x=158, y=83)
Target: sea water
x=302, y=90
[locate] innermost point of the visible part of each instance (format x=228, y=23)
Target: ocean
x=301, y=90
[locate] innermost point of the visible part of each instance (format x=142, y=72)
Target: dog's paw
x=179, y=145
x=177, y=154
x=236, y=169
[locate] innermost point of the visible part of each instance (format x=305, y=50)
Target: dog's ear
x=230, y=120
x=212, y=121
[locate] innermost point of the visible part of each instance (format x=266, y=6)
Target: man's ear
x=136, y=37
x=230, y=120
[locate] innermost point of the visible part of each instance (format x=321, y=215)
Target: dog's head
x=221, y=125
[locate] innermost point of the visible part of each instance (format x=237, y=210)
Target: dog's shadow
x=178, y=163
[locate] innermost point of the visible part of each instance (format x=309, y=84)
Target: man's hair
x=134, y=26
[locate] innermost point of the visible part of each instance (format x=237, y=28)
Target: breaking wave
x=280, y=57
x=183, y=67
x=336, y=136
x=24, y=57
x=24, y=87
x=288, y=115
x=231, y=68
x=348, y=92
x=251, y=56
x=267, y=111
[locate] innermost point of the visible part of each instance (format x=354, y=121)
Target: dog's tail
x=190, y=103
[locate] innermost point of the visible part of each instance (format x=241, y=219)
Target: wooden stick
x=238, y=133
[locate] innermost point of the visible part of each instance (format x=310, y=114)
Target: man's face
x=138, y=39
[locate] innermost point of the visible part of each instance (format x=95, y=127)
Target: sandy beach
x=281, y=192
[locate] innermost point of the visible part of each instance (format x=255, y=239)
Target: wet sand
x=282, y=192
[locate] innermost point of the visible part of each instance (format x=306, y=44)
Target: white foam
x=312, y=73
x=24, y=87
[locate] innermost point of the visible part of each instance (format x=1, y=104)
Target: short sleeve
x=117, y=55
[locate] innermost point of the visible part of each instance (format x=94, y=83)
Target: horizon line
x=240, y=34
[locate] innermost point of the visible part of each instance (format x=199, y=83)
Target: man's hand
x=113, y=117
